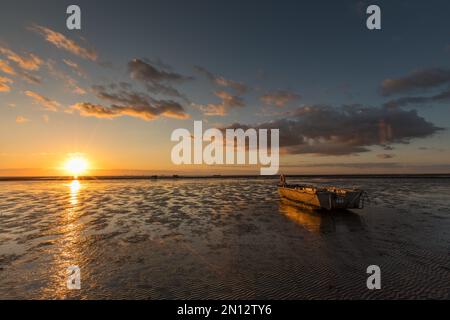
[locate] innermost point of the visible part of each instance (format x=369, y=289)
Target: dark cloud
x=156, y=80
x=404, y=101
x=350, y=165
x=385, y=156
x=239, y=87
x=397, y=167
x=326, y=130
x=431, y=149
x=417, y=80
x=115, y=86
x=130, y=103
x=279, y=98
x=87, y=109
x=30, y=78
x=122, y=96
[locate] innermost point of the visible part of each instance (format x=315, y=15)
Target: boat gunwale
x=326, y=189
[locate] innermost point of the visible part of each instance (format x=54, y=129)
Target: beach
x=222, y=238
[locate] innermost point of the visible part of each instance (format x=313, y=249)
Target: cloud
x=130, y=103
x=397, y=167
x=404, y=101
x=6, y=68
x=157, y=81
x=30, y=78
x=4, y=87
x=122, y=96
x=240, y=87
x=168, y=109
x=417, y=80
x=62, y=42
x=229, y=102
x=69, y=82
x=279, y=98
x=30, y=61
x=431, y=149
x=75, y=67
x=30, y=64
x=212, y=109
x=385, y=156
x=20, y=120
x=47, y=103
x=326, y=130
x=87, y=109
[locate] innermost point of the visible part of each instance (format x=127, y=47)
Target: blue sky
x=256, y=63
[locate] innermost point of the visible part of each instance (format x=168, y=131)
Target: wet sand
x=221, y=238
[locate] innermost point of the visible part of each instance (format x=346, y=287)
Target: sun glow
x=76, y=166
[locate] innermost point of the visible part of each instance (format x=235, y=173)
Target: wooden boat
x=329, y=198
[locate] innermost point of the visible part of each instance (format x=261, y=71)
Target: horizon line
x=221, y=176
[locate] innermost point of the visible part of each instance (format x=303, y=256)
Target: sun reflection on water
x=74, y=190
x=69, y=251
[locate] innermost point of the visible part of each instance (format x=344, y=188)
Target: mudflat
x=221, y=238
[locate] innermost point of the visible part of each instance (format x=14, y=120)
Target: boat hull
x=323, y=199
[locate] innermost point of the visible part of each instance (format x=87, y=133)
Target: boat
x=328, y=198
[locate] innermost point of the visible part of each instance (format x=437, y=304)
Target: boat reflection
x=318, y=221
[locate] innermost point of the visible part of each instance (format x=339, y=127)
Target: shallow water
x=221, y=238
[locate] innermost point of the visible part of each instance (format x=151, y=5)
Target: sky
x=345, y=99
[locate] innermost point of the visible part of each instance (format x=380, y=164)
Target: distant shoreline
x=183, y=177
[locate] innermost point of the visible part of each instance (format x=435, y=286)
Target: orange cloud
x=62, y=42
x=47, y=103
x=6, y=68
x=87, y=109
x=4, y=87
x=20, y=120
x=229, y=102
x=28, y=62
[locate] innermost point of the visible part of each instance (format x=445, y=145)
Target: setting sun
x=76, y=166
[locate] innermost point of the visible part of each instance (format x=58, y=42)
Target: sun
x=76, y=165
